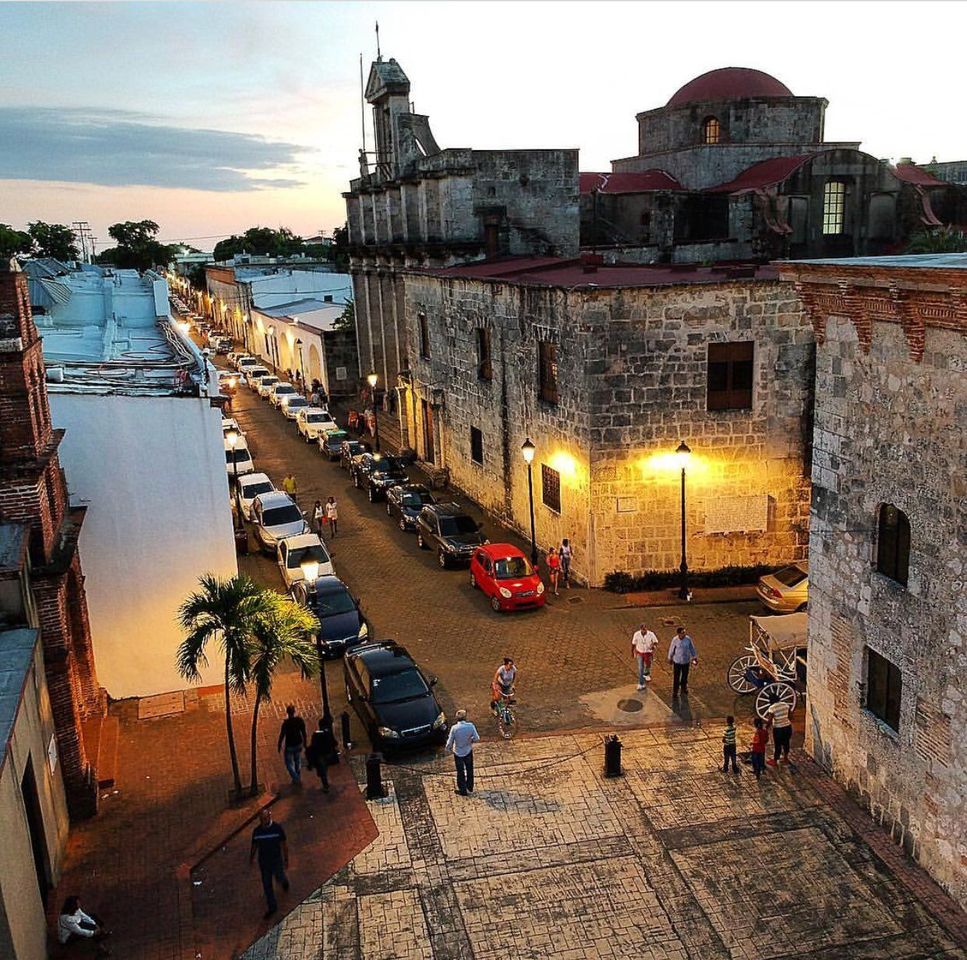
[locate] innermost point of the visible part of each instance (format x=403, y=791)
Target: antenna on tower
x=379, y=56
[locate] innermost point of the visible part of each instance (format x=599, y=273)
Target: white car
x=264, y=385
x=238, y=461
x=253, y=375
x=243, y=361
x=251, y=486
x=290, y=406
x=314, y=422
x=229, y=424
x=280, y=390
x=294, y=551
x=276, y=516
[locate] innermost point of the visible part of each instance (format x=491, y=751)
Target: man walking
x=777, y=716
x=321, y=750
x=269, y=843
x=290, y=486
x=463, y=735
x=293, y=736
x=681, y=655
x=643, y=645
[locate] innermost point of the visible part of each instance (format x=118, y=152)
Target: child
x=728, y=746
x=759, y=748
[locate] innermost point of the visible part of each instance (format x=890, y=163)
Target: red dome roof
x=730, y=83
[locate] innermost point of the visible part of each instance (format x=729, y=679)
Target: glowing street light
x=310, y=570
x=682, y=457
x=372, y=380
x=527, y=451
x=232, y=438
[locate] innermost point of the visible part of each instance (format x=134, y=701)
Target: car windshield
x=269, y=381
x=298, y=402
x=790, y=576
x=238, y=455
x=283, y=390
x=279, y=515
x=416, y=499
x=457, y=526
x=316, y=417
x=510, y=568
x=251, y=491
x=356, y=448
x=399, y=686
x=388, y=465
x=332, y=604
x=300, y=555
x=336, y=439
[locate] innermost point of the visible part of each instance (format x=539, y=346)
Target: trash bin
x=374, y=779
x=612, y=756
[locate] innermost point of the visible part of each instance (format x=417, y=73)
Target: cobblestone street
x=547, y=859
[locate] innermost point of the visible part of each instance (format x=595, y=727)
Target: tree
x=340, y=248
x=347, y=319
x=137, y=246
x=53, y=240
x=259, y=241
x=225, y=612
x=284, y=631
x=939, y=240
x=13, y=242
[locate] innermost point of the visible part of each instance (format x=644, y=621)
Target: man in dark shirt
x=268, y=841
x=293, y=735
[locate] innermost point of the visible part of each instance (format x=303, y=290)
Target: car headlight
x=441, y=721
x=540, y=588
x=504, y=592
x=450, y=547
x=363, y=632
x=388, y=733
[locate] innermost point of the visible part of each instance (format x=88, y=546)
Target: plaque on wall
x=626, y=505
x=341, y=373
x=737, y=514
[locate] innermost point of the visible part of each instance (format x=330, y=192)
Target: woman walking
x=565, y=555
x=318, y=516
x=332, y=514
x=554, y=568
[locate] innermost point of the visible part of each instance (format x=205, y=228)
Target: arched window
x=711, y=131
x=893, y=544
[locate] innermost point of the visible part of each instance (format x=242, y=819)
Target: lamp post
x=528, y=450
x=302, y=369
x=231, y=438
x=372, y=378
x=682, y=453
x=310, y=570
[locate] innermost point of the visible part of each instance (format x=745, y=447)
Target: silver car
x=786, y=590
x=276, y=516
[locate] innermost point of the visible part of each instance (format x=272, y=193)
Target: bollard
x=374, y=780
x=612, y=756
x=346, y=740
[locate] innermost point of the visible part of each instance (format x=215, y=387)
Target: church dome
x=729, y=83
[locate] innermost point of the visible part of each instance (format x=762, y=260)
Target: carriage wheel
x=736, y=675
x=773, y=692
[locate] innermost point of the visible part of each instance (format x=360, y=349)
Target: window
x=834, y=207
x=424, y=337
x=476, y=446
x=485, y=369
x=551, y=488
x=327, y=298
x=884, y=685
x=730, y=368
x=893, y=544
x=547, y=370
x=711, y=131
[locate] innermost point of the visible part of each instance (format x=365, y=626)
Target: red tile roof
x=911, y=173
x=765, y=173
x=628, y=182
x=729, y=83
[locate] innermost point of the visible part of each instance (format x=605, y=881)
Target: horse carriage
x=774, y=668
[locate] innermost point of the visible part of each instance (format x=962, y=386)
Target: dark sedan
x=341, y=622
x=331, y=444
x=375, y=474
x=406, y=501
x=349, y=450
x=392, y=697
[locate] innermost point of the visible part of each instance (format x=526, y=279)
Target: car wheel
x=441, y=559
x=371, y=493
x=420, y=542
x=473, y=581
x=402, y=523
x=495, y=604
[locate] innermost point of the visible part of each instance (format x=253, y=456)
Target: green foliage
x=13, y=242
x=260, y=241
x=620, y=582
x=347, y=319
x=137, y=246
x=938, y=240
x=340, y=249
x=53, y=240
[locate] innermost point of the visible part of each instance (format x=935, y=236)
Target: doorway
x=35, y=823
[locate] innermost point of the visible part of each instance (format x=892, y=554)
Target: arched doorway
x=314, y=369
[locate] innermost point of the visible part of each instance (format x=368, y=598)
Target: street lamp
x=372, y=378
x=527, y=451
x=302, y=369
x=682, y=454
x=231, y=438
x=310, y=570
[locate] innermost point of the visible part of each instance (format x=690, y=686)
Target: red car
x=506, y=576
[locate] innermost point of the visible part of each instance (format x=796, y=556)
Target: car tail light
x=774, y=593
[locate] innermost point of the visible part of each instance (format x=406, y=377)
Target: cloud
x=117, y=148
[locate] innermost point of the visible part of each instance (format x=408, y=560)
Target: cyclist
x=503, y=683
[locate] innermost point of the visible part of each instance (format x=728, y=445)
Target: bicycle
x=501, y=709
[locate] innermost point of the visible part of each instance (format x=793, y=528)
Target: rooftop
x=919, y=261
x=729, y=83
x=628, y=182
x=16, y=656
x=307, y=312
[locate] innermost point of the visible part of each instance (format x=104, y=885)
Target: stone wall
x=890, y=430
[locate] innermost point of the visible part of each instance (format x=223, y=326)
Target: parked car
x=331, y=443
x=276, y=516
x=392, y=697
x=450, y=530
x=292, y=404
x=253, y=375
x=506, y=577
x=292, y=552
x=406, y=501
x=314, y=422
x=786, y=590
x=227, y=382
x=251, y=486
x=348, y=452
x=222, y=344
x=238, y=461
x=280, y=390
x=265, y=385
x=229, y=424
x=242, y=360
x=376, y=474
x=341, y=621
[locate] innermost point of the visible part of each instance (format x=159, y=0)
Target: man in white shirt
x=463, y=735
x=777, y=716
x=643, y=645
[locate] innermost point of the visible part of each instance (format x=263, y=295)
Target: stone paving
x=672, y=861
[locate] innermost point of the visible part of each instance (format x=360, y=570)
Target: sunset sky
x=213, y=117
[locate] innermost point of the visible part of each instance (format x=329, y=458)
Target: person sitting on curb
x=74, y=927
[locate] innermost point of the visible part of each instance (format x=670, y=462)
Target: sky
x=209, y=118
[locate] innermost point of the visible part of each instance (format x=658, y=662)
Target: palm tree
x=284, y=631
x=227, y=612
